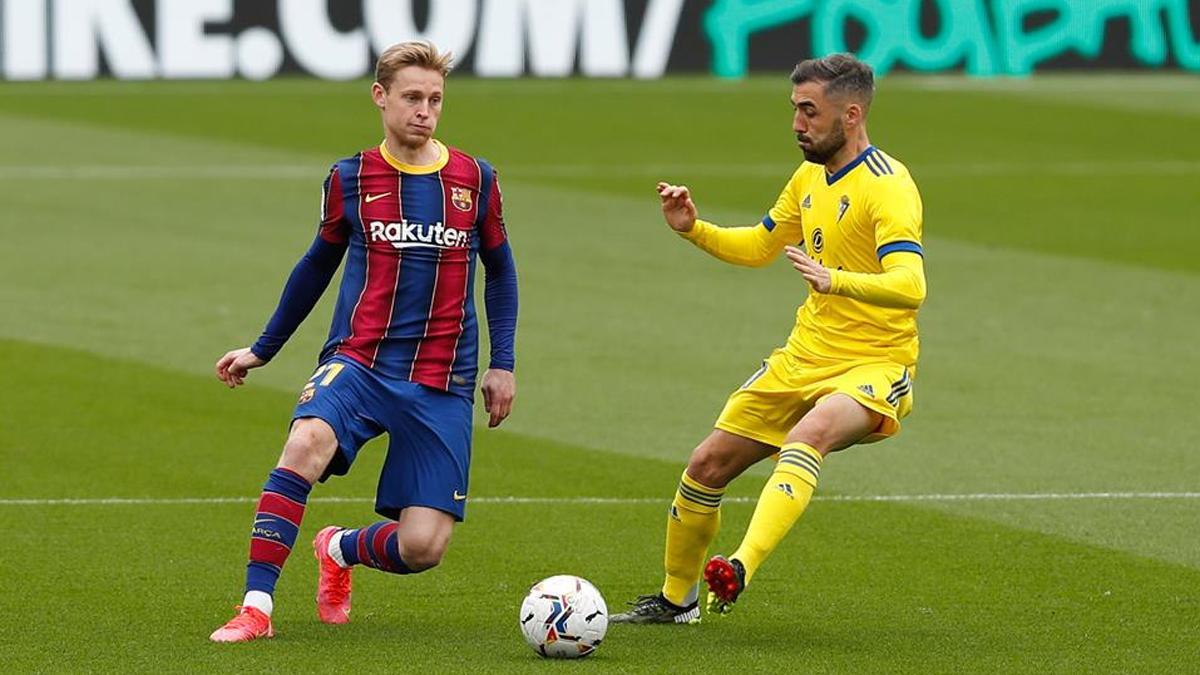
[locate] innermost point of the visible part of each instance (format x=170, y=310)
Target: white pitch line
x=968, y=497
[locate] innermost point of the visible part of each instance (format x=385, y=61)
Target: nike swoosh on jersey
x=371, y=198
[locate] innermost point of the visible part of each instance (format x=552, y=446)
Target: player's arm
x=308, y=280
x=900, y=285
x=500, y=299
x=895, y=211
x=753, y=246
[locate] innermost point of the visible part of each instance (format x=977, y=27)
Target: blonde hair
x=404, y=54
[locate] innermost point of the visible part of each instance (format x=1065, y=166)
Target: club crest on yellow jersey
x=843, y=206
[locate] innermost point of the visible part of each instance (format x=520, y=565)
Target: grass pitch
x=1037, y=514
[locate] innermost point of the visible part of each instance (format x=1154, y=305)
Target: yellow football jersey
x=850, y=221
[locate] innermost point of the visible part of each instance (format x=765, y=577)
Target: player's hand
x=678, y=207
x=232, y=368
x=816, y=274
x=499, y=389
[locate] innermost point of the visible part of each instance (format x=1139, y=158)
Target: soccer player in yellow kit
x=849, y=220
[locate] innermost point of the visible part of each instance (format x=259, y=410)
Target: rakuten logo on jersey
x=405, y=234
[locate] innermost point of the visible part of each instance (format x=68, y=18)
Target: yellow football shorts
x=787, y=386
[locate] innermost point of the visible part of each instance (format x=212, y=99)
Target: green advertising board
x=981, y=37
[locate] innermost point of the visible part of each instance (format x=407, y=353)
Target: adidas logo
x=807, y=203
x=867, y=389
x=786, y=489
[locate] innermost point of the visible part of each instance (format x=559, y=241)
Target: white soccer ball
x=564, y=617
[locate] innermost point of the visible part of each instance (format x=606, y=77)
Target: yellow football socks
x=783, y=500
x=692, y=523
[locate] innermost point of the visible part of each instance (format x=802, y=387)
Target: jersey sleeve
x=500, y=271
x=334, y=227
x=901, y=285
x=492, y=232
x=785, y=215
x=756, y=245
x=896, y=213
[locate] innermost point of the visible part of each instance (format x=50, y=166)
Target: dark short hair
x=842, y=74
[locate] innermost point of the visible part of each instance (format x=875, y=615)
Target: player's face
x=817, y=122
x=412, y=105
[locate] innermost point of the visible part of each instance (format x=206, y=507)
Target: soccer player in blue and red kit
x=409, y=217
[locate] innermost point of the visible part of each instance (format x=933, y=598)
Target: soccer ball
x=564, y=617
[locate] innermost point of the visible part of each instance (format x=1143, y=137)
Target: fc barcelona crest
x=460, y=198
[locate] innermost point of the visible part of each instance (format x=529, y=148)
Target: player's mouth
x=803, y=141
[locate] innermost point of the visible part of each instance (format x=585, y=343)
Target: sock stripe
x=364, y=555
x=289, y=484
x=805, y=469
x=270, y=552
x=276, y=525
x=281, y=507
x=700, y=487
x=376, y=546
x=270, y=567
x=804, y=450
x=691, y=495
x=801, y=460
x=379, y=540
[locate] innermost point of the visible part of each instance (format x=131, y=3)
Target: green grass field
x=1040, y=512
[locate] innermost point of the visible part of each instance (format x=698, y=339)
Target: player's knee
x=814, y=436
x=422, y=554
x=309, y=448
x=709, y=467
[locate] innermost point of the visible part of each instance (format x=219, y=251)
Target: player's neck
x=421, y=155
x=852, y=149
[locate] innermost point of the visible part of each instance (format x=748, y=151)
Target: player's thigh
x=836, y=422
x=862, y=404
x=769, y=404
x=429, y=452
x=332, y=418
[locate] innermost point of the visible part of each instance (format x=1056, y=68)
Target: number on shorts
x=329, y=370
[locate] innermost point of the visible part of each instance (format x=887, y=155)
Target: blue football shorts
x=429, y=434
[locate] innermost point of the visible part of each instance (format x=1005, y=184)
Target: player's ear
x=378, y=95
x=853, y=115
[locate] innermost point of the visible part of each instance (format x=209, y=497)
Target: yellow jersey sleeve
x=896, y=213
x=785, y=214
x=901, y=285
x=756, y=245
